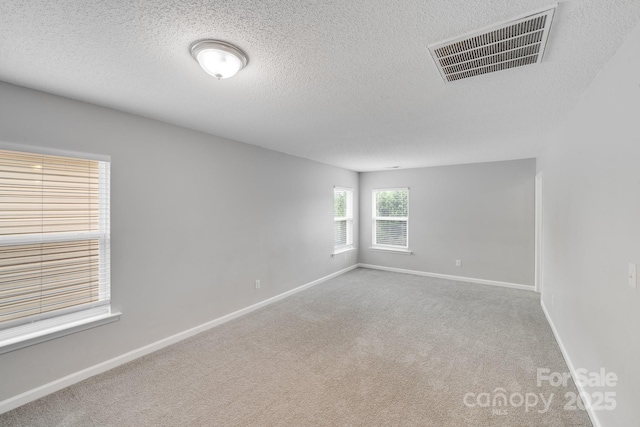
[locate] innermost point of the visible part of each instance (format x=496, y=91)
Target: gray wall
x=591, y=210
x=481, y=214
x=195, y=220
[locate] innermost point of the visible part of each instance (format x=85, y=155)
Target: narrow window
x=391, y=218
x=342, y=219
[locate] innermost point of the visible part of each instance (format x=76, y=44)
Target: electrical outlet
x=458, y=263
x=633, y=282
x=257, y=284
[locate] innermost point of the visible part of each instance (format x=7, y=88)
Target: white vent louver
x=512, y=44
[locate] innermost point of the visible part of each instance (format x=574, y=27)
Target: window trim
x=349, y=246
x=54, y=327
x=14, y=334
x=382, y=247
x=9, y=146
x=343, y=249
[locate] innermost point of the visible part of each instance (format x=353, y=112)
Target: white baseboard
x=592, y=415
x=449, y=277
x=76, y=377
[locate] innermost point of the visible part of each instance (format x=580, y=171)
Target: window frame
x=349, y=245
x=29, y=330
x=381, y=246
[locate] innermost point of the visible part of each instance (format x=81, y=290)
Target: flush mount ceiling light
x=219, y=59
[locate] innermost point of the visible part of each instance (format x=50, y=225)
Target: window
x=54, y=245
x=391, y=218
x=342, y=219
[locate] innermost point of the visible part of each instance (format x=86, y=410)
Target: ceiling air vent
x=513, y=44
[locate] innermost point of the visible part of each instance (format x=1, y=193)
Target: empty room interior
x=319, y=213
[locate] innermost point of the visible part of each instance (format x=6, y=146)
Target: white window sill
x=343, y=250
x=392, y=250
x=45, y=330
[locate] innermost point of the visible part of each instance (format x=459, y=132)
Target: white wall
x=592, y=230
x=481, y=214
x=195, y=220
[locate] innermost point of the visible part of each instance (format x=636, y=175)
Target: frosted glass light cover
x=219, y=64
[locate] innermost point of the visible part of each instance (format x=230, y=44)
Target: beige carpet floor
x=368, y=348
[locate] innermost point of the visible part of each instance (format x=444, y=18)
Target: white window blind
x=54, y=236
x=391, y=218
x=342, y=217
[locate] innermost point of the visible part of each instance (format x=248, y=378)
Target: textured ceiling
x=349, y=83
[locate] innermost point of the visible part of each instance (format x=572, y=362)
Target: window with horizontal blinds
x=391, y=218
x=54, y=236
x=342, y=217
